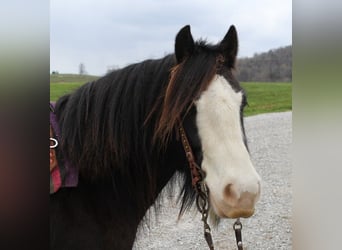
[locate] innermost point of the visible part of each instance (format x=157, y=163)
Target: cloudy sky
x=103, y=34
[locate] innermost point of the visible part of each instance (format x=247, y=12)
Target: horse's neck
x=96, y=214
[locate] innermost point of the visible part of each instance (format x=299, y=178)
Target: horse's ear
x=184, y=45
x=229, y=46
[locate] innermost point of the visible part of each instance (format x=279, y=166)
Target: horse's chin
x=215, y=219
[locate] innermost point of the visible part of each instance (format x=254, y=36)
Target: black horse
x=120, y=131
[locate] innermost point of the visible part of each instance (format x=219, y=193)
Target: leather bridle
x=202, y=192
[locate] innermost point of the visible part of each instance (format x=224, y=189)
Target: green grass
x=262, y=97
x=61, y=84
x=66, y=78
x=267, y=97
x=59, y=89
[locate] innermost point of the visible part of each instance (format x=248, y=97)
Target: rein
x=202, y=193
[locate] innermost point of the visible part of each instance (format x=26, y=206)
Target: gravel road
x=269, y=138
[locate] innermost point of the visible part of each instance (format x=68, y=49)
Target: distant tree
x=82, y=70
x=272, y=66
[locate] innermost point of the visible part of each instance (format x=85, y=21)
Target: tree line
x=272, y=66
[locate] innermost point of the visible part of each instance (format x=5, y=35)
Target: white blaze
x=225, y=157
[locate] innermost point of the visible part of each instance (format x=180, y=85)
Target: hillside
x=71, y=78
x=272, y=66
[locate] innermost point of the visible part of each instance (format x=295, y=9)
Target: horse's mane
x=121, y=121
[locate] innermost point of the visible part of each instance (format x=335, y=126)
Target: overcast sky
x=114, y=33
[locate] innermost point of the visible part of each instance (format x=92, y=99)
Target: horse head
x=204, y=94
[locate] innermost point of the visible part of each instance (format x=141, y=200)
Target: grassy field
x=71, y=78
x=61, y=84
x=267, y=97
x=262, y=97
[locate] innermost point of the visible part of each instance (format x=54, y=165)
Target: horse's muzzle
x=235, y=205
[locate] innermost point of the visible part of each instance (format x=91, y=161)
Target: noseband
x=202, y=192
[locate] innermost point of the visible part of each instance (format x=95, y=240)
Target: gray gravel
x=270, y=139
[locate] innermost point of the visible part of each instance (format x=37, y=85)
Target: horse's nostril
x=227, y=190
x=238, y=199
x=230, y=195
